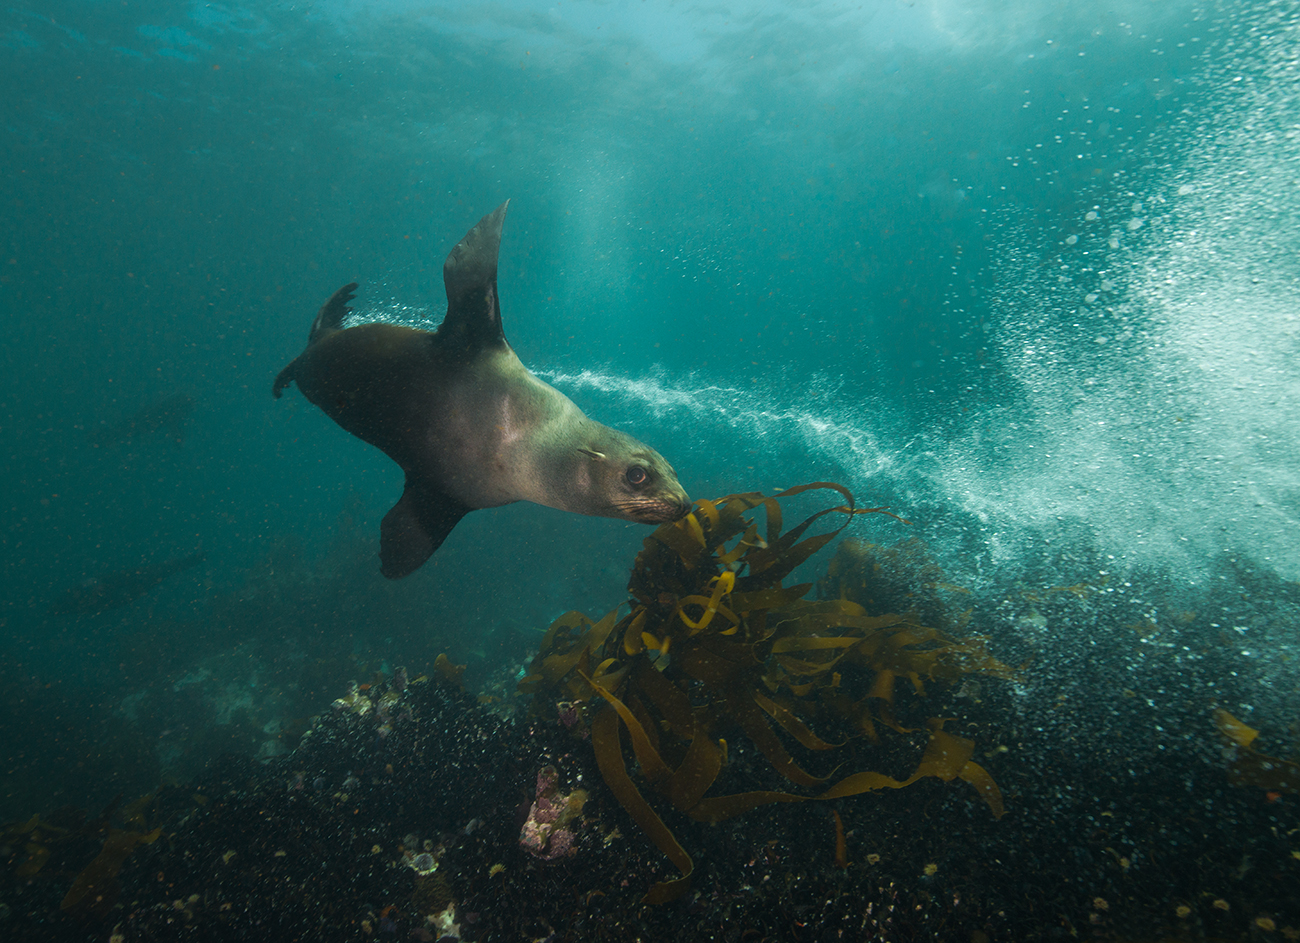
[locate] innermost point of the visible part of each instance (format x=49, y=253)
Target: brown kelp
x=95, y=889
x=715, y=640
x=53, y=847
x=1251, y=767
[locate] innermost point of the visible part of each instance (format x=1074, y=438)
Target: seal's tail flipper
x=470, y=274
x=415, y=527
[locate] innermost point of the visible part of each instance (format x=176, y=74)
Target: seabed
x=413, y=809
x=320, y=845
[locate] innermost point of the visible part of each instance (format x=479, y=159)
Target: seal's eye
x=636, y=475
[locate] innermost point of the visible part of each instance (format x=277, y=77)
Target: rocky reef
x=412, y=809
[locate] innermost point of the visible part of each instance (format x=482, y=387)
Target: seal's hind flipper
x=415, y=527
x=329, y=319
x=470, y=274
x=284, y=378
x=333, y=312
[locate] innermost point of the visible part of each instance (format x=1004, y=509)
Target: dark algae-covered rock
x=416, y=835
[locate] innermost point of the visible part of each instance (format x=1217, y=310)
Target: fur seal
x=120, y=588
x=467, y=422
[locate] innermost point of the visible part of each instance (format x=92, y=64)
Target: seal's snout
x=662, y=509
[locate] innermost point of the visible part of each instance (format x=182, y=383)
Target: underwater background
x=1026, y=273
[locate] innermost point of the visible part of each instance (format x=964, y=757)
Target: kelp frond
x=714, y=638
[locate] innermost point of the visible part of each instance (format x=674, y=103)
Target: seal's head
x=635, y=481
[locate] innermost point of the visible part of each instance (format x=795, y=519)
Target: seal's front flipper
x=470, y=274
x=415, y=527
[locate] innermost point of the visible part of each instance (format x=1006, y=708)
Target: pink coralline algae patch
x=547, y=834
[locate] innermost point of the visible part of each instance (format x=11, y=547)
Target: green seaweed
x=715, y=639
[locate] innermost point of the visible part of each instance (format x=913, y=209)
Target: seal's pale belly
x=486, y=438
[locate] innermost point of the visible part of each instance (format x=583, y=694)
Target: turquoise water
x=1025, y=272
